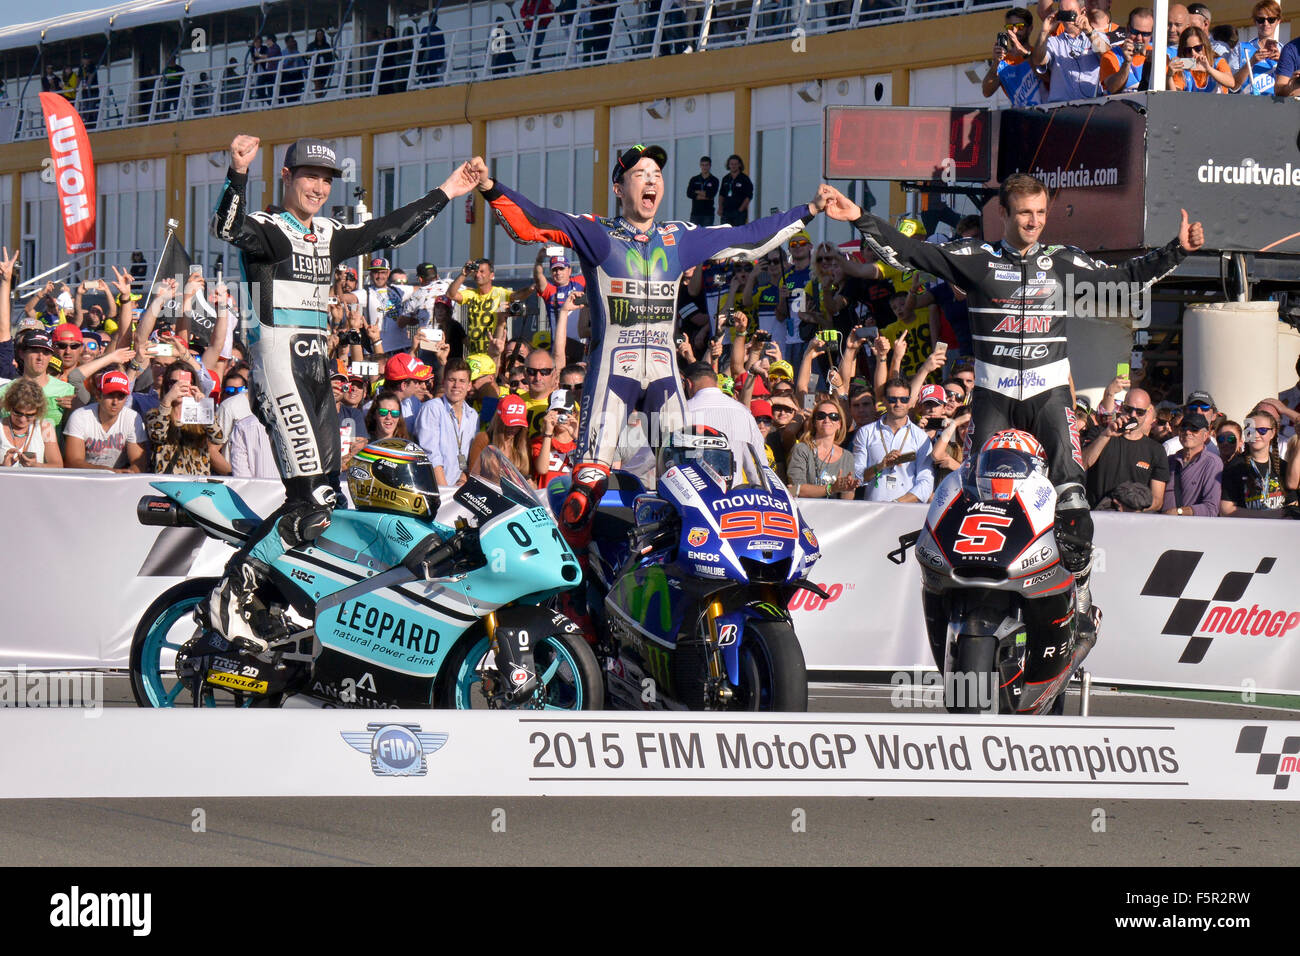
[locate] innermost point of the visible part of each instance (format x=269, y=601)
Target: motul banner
x=74, y=171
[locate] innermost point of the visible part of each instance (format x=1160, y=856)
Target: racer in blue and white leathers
x=632, y=270
x=287, y=258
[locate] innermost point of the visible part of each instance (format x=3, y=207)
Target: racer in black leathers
x=287, y=257
x=1020, y=295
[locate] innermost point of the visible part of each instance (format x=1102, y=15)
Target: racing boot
x=589, y=483
x=229, y=606
x=229, y=609
x=1083, y=591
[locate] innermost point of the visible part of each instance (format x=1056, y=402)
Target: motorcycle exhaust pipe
x=161, y=512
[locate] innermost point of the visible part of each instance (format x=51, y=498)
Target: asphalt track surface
x=418, y=831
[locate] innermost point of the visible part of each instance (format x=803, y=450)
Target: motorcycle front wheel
x=567, y=670
x=773, y=675
x=975, y=682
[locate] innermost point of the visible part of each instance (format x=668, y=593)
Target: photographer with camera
x=1123, y=68
x=1137, y=457
x=1010, y=70
x=487, y=306
x=1072, y=56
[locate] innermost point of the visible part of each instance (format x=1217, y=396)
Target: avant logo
x=1280, y=766
x=1226, y=613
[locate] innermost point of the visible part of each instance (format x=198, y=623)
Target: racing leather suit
x=1018, y=306
x=632, y=279
x=288, y=267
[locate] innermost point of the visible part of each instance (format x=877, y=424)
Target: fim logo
x=396, y=750
x=1280, y=766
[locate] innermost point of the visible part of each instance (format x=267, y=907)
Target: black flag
x=175, y=264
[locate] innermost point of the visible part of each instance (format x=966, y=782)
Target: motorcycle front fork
x=719, y=692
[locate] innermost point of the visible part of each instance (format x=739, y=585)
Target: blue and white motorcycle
x=383, y=610
x=689, y=584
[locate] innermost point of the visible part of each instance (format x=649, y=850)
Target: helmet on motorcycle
x=392, y=474
x=1007, y=458
x=700, y=445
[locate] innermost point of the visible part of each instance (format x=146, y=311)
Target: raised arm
x=526, y=221
x=230, y=221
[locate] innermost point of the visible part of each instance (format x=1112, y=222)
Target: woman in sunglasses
x=1253, y=481
x=1256, y=57
x=27, y=435
x=818, y=467
x=1196, y=69
x=384, y=420
x=1228, y=441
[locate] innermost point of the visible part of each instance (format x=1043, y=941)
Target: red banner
x=74, y=171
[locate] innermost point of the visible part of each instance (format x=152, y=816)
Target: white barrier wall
x=1189, y=602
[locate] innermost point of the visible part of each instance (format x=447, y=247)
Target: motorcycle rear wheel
x=163, y=630
x=773, y=675
x=567, y=669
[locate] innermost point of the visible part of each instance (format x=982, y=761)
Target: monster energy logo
x=636, y=262
x=620, y=311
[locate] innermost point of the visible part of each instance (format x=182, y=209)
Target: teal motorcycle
x=384, y=609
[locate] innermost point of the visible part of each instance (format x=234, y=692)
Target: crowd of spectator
x=1079, y=52
x=853, y=378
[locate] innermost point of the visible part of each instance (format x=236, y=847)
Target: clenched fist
x=243, y=150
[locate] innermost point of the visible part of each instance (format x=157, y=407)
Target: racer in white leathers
x=287, y=257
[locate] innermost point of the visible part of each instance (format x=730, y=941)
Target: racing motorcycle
x=999, y=605
x=385, y=609
x=689, y=581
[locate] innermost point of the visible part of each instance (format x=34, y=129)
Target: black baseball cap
x=312, y=152
x=34, y=339
x=632, y=156
x=1195, y=421
x=426, y=269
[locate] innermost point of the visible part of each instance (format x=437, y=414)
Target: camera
x=351, y=337
x=471, y=267
x=516, y=309
x=1066, y=16
x=1004, y=41
x=761, y=337
x=579, y=298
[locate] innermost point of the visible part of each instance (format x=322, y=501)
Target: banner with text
x=74, y=171
x=134, y=753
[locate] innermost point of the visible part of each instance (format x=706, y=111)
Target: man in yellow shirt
x=485, y=305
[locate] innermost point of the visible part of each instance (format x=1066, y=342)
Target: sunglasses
x=1195, y=49
x=1226, y=440
x=800, y=244
x=782, y=410
x=539, y=372
x=234, y=389
x=1263, y=429
x=955, y=396
x=826, y=416
x=388, y=412
x=897, y=399
x=1139, y=33
x=764, y=420
x=72, y=346
x=17, y=414
x=1133, y=410
x=1199, y=407
x=356, y=387
x=1263, y=20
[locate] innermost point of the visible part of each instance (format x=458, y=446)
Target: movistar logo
x=636, y=263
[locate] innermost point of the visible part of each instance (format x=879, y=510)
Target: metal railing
x=601, y=33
